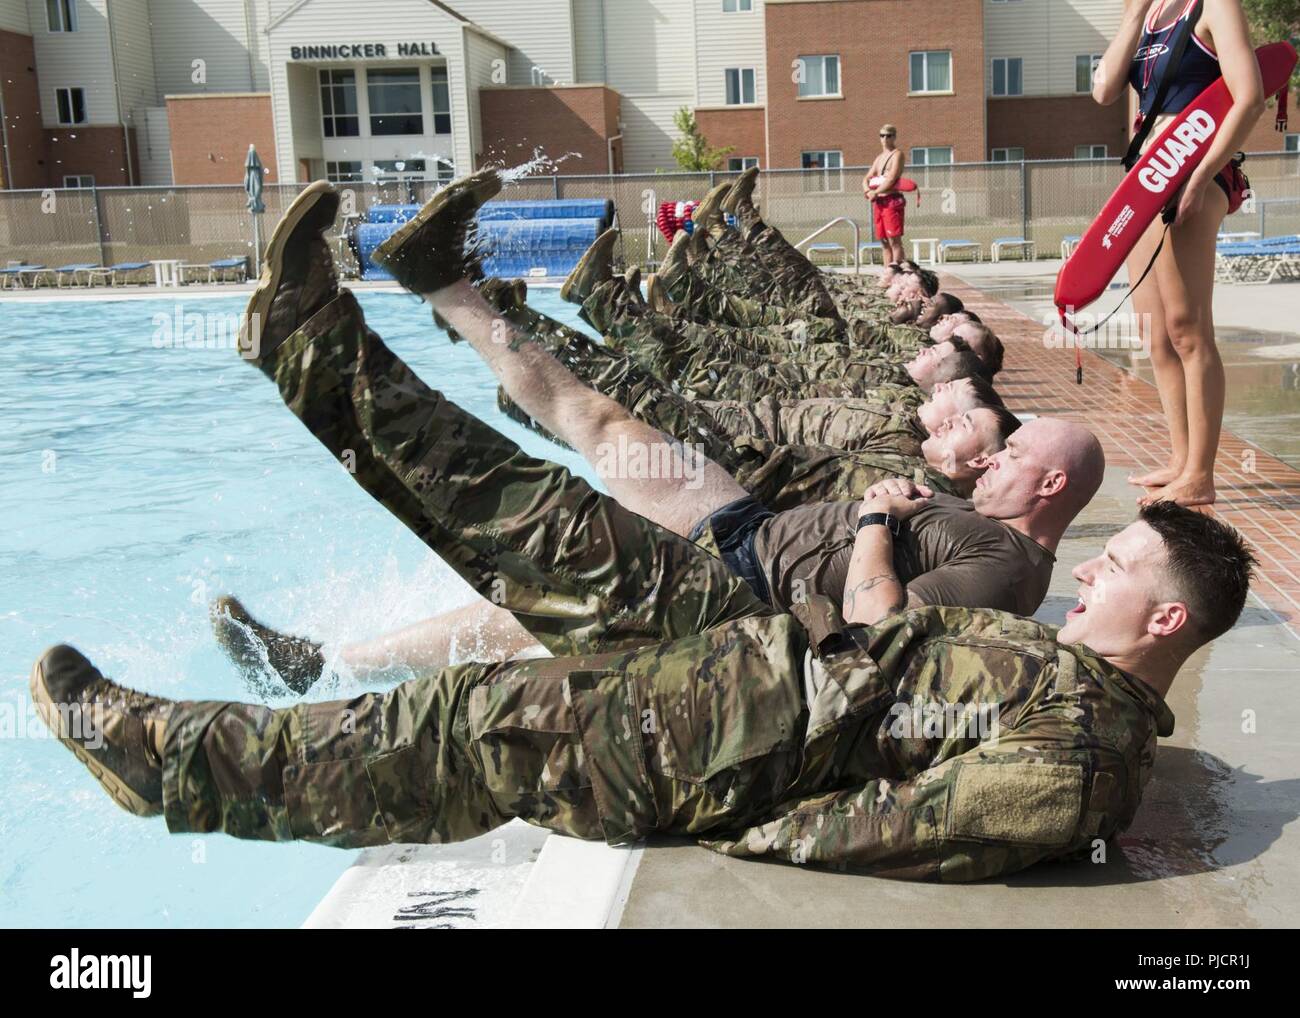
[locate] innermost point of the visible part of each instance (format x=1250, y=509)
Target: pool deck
x=1215, y=844
x=1216, y=841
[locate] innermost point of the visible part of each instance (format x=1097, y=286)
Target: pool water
x=143, y=476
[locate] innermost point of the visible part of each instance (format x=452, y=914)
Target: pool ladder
x=857, y=239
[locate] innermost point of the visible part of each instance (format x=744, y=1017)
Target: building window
x=935, y=155
x=445, y=170
x=395, y=106
x=1007, y=155
x=819, y=76
x=338, y=104
x=1090, y=152
x=79, y=180
x=1085, y=67
x=72, y=105
x=740, y=86
x=830, y=163
x=931, y=71
x=1008, y=76
x=441, y=101
x=737, y=6
x=739, y=164
x=1292, y=143
x=344, y=173
x=61, y=15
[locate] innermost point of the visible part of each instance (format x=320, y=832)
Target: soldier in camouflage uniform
x=781, y=473
x=687, y=707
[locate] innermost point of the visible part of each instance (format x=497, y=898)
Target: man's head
x=892, y=271
x=888, y=137
x=944, y=304
x=1165, y=585
x=905, y=286
x=986, y=345
x=947, y=325
x=948, y=399
x=961, y=446
x=945, y=362
x=1048, y=472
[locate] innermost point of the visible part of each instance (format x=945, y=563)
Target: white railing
x=857, y=239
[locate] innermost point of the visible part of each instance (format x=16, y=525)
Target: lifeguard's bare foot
x=1188, y=492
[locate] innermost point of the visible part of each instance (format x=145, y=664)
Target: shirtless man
x=887, y=204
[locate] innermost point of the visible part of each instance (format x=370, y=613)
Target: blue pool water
x=141, y=478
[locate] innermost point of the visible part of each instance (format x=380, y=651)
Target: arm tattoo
x=896, y=605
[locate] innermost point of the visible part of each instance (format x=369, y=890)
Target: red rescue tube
x=1153, y=182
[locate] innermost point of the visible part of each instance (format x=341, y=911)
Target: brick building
x=159, y=92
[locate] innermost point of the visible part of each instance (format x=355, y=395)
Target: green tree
x=692, y=150
x=1274, y=20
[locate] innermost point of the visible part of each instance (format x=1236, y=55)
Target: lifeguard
x=881, y=189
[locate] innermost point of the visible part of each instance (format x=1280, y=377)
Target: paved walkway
x=1258, y=494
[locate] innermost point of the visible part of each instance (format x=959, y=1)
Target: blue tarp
x=520, y=238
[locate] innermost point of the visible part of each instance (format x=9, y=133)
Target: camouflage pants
x=562, y=743
x=706, y=303
x=765, y=269
x=782, y=474
x=847, y=424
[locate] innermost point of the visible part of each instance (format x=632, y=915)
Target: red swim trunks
x=888, y=214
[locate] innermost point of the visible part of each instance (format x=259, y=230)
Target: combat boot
x=298, y=277
x=595, y=267
x=439, y=246
x=256, y=649
x=116, y=732
x=742, y=192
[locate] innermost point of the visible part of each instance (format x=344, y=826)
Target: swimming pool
x=145, y=473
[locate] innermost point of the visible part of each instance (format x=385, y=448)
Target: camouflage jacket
x=860, y=777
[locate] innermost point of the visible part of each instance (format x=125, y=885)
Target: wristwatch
x=878, y=520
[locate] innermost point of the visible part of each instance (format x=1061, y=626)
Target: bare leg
x=1186, y=275
x=645, y=470
x=479, y=631
x=1165, y=363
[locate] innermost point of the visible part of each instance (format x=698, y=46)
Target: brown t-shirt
x=947, y=554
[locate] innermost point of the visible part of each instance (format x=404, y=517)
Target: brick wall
x=873, y=38
x=743, y=129
x=558, y=120
x=97, y=151
x=211, y=134
x=27, y=143
x=1049, y=127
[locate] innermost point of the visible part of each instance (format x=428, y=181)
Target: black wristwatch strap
x=878, y=520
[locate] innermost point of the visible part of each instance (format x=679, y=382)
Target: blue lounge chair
x=1028, y=249
x=948, y=247
x=112, y=272
x=15, y=273
x=223, y=265
x=67, y=274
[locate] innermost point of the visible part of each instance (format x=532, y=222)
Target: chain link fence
x=1043, y=201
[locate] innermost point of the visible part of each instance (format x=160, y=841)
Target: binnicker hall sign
x=363, y=51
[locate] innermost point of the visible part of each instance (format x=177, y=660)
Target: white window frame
x=921, y=156
x=926, y=54
x=737, y=6
x=58, y=106
x=376, y=89
x=742, y=74
x=746, y=163
x=79, y=181
x=1006, y=154
x=326, y=85
x=1006, y=63
x=830, y=184
x=824, y=92
x=1093, y=60
x=66, y=12
x=1092, y=152
x=434, y=111
x=335, y=175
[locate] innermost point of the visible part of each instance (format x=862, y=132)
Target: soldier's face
x=944, y=402
x=925, y=364
x=961, y=445
x=1018, y=475
x=1120, y=610
x=947, y=325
